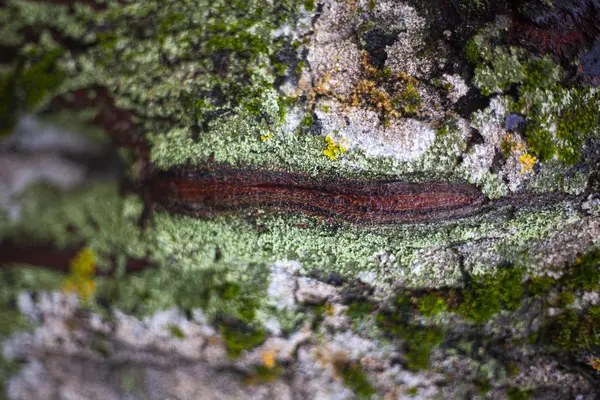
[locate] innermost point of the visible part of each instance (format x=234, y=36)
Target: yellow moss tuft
x=81, y=276
x=333, y=150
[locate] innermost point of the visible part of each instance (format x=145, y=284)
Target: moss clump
x=176, y=332
x=419, y=340
x=488, y=295
x=585, y=274
x=354, y=378
x=431, y=305
x=28, y=85
x=515, y=393
x=413, y=391
x=390, y=95
x=239, y=337
x=310, y=5
x=359, y=309
x=571, y=330
x=483, y=386
x=263, y=374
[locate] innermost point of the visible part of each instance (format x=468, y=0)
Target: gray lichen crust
x=282, y=305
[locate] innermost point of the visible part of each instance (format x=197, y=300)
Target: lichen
x=559, y=118
x=333, y=150
x=81, y=276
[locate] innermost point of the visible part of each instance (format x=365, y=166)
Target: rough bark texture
x=322, y=199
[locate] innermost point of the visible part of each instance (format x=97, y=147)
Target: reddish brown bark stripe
x=205, y=192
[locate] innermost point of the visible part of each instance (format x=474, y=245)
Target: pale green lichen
x=560, y=118
x=16, y=15
x=108, y=224
x=160, y=62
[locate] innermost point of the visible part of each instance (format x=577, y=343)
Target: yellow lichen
x=268, y=358
x=266, y=137
x=81, y=276
x=596, y=364
x=513, y=146
x=527, y=161
x=333, y=150
x=511, y=143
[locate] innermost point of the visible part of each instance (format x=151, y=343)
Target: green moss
x=41, y=78
x=540, y=74
x=540, y=285
x=354, y=378
x=300, y=67
x=176, y=332
x=573, y=331
x=431, y=305
x=240, y=338
x=263, y=374
x=585, y=273
x=28, y=85
x=9, y=103
x=488, y=295
x=413, y=391
x=483, y=386
x=472, y=52
x=309, y=5
x=564, y=299
x=419, y=340
x=408, y=101
x=515, y=393
x=358, y=309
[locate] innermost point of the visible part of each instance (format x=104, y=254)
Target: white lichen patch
x=335, y=66
x=404, y=139
x=409, y=53
x=282, y=285
x=457, y=86
x=515, y=168
x=436, y=267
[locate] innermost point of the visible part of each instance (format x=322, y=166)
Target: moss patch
x=240, y=338
x=488, y=295
x=354, y=378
